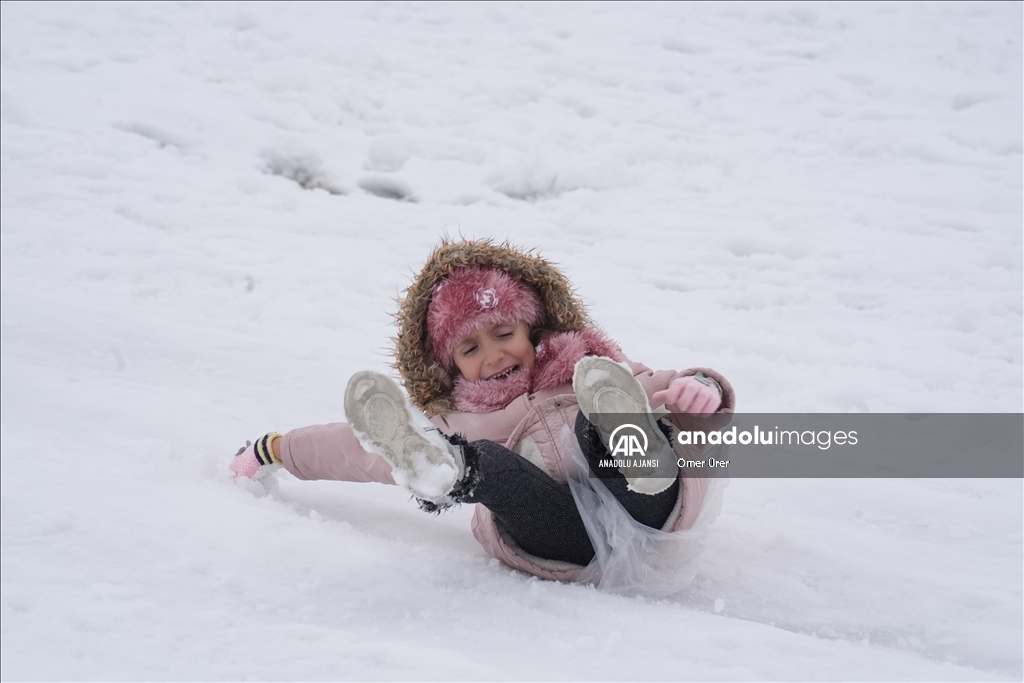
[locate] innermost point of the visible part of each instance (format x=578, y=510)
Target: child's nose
x=494, y=354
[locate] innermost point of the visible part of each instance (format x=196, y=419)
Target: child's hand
x=693, y=395
x=252, y=456
x=245, y=463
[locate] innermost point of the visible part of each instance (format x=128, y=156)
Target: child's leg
x=606, y=389
x=419, y=455
x=541, y=514
x=651, y=510
x=538, y=512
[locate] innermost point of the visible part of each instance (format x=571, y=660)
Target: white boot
x=606, y=391
x=421, y=458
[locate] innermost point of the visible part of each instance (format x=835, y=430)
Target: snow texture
x=208, y=209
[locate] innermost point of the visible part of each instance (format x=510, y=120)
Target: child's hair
x=425, y=366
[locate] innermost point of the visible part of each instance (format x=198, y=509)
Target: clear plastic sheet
x=631, y=558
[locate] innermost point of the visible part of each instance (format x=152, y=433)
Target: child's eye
x=468, y=350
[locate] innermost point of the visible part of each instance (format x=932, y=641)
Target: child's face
x=494, y=351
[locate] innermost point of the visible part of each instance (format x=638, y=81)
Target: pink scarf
x=556, y=359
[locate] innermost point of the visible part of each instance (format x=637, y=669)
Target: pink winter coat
x=531, y=426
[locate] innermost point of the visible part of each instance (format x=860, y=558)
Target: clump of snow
x=207, y=211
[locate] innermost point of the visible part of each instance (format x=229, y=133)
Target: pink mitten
x=245, y=463
x=252, y=456
x=695, y=395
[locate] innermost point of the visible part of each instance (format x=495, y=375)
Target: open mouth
x=504, y=373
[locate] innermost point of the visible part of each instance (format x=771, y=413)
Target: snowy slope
x=207, y=211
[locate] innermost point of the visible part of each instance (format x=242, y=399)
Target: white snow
x=208, y=210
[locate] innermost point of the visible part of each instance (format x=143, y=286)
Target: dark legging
x=540, y=514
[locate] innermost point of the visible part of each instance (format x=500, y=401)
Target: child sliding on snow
x=501, y=362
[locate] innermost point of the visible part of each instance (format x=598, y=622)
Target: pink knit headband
x=472, y=297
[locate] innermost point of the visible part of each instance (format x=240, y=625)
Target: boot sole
x=604, y=388
x=377, y=411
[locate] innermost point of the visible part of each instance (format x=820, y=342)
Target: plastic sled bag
x=631, y=558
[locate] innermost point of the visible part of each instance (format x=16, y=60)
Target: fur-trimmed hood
x=428, y=384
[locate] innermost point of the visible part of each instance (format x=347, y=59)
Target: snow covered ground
x=208, y=209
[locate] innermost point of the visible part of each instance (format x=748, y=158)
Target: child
x=497, y=351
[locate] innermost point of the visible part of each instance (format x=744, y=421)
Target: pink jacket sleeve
x=332, y=451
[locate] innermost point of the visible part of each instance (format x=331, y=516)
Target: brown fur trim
x=428, y=384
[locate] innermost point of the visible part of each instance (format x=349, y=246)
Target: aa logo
x=628, y=441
